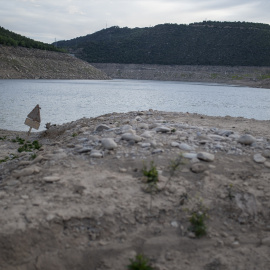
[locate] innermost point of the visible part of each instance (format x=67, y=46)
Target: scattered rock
x=51, y=179
x=131, y=137
x=247, y=139
x=205, y=156
x=101, y=128
x=109, y=143
x=259, y=158
x=163, y=129
x=198, y=168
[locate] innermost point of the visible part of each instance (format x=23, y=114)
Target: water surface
x=68, y=100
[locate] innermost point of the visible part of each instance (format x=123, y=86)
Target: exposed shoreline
x=257, y=77
x=82, y=201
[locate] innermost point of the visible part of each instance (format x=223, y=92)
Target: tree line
x=9, y=38
x=203, y=43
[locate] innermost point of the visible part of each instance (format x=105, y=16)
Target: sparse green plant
x=173, y=167
x=3, y=138
x=173, y=130
x=151, y=174
x=74, y=134
x=230, y=191
x=141, y=262
x=11, y=157
x=198, y=217
x=28, y=146
x=4, y=160
x=198, y=225
x=18, y=140
x=33, y=156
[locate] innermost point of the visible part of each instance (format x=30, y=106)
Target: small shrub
x=140, y=263
x=3, y=138
x=33, y=156
x=151, y=174
x=198, y=225
x=74, y=135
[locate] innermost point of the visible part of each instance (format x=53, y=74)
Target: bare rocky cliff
x=23, y=63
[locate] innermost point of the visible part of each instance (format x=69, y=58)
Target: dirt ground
x=81, y=201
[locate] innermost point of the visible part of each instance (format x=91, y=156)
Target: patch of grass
x=237, y=77
x=264, y=76
x=4, y=160
x=29, y=147
x=141, y=262
x=74, y=134
x=18, y=140
x=11, y=157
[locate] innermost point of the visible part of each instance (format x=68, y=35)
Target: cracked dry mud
x=81, y=202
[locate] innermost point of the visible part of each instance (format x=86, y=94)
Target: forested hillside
x=205, y=43
x=9, y=38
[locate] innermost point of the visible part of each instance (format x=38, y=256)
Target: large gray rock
x=205, y=156
x=246, y=139
x=186, y=147
x=108, y=143
x=131, y=137
x=163, y=129
x=101, y=127
x=259, y=158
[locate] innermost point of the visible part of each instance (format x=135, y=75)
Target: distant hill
x=9, y=38
x=204, y=43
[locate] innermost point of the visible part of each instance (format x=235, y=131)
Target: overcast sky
x=47, y=20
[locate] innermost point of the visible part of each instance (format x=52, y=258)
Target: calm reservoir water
x=64, y=101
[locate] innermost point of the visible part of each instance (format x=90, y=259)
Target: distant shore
x=257, y=77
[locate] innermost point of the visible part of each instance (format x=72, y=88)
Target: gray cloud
x=50, y=19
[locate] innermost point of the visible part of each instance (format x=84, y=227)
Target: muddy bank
x=81, y=201
x=246, y=76
x=23, y=63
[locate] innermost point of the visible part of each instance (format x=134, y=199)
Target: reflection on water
x=68, y=100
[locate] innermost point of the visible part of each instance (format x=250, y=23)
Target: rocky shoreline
x=23, y=63
x=258, y=77
x=82, y=200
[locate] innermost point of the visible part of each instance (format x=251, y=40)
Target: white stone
x=185, y=147
x=108, y=143
x=189, y=155
x=96, y=154
x=143, y=126
x=246, y=139
x=259, y=158
x=27, y=171
x=163, y=129
x=175, y=144
x=131, y=137
x=145, y=145
x=205, y=156
x=147, y=134
x=51, y=179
